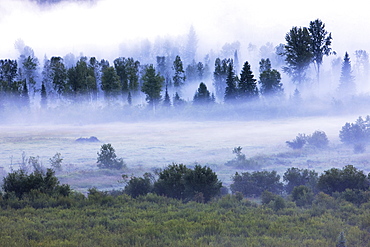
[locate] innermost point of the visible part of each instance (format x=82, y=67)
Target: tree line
x=162, y=82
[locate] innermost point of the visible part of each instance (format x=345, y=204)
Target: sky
x=99, y=28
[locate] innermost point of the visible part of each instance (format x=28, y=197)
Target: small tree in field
x=107, y=158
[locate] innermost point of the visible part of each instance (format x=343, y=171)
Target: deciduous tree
x=298, y=53
x=152, y=85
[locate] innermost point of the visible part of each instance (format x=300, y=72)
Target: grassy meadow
x=148, y=145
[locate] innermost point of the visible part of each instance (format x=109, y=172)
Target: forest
x=268, y=201
x=165, y=76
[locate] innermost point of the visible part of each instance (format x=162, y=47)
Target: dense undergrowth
x=106, y=220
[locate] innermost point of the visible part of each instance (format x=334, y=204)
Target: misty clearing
x=145, y=146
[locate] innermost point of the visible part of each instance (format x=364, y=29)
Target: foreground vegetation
x=151, y=220
x=37, y=211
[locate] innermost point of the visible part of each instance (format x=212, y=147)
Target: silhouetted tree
x=320, y=43
x=346, y=81
x=231, y=92
x=270, y=83
x=247, y=86
x=202, y=96
x=298, y=53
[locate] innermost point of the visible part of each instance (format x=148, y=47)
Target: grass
x=146, y=145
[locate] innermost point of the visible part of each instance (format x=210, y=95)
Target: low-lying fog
x=148, y=145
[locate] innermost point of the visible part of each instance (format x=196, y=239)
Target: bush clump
x=107, y=158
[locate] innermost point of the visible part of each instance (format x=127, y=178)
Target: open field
x=148, y=145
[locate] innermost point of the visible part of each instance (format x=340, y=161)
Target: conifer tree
x=179, y=77
x=247, y=86
x=347, y=85
x=230, y=90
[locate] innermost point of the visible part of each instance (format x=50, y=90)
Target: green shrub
x=107, y=158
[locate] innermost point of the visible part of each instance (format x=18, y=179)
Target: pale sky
x=101, y=27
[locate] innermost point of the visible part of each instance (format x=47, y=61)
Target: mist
x=148, y=136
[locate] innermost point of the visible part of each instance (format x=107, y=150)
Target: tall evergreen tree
x=247, y=86
x=152, y=85
x=231, y=92
x=298, y=53
x=320, y=43
x=346, y=81
x=179, y=76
